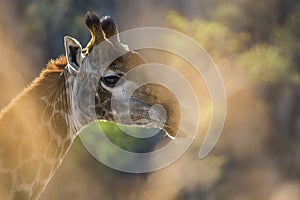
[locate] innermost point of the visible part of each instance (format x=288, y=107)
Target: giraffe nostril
x=158, y=115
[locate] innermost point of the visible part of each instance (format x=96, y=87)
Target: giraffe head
x=102, y=87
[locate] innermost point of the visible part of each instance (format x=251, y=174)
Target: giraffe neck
x=35, y=134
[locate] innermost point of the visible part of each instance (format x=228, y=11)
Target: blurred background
x=255, y=44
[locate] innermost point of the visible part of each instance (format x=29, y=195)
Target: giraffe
x=38, y=127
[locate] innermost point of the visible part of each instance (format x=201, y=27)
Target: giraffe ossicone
x=38, y=127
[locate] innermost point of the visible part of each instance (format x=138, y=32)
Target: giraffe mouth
x=138, y=113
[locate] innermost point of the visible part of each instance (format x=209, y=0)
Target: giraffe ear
x=73, y=54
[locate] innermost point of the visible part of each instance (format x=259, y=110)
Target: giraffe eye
x=110, y=80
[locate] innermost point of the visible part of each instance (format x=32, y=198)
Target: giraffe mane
x=57, y=65
x=53, y=70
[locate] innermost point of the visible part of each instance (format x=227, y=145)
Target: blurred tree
x=261, y=39
x=215, y=37
x=288, y=38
